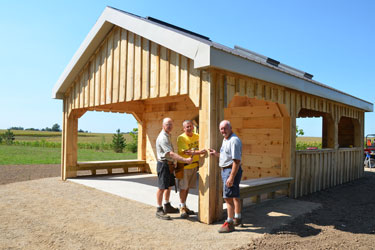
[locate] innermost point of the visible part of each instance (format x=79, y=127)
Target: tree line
x=55, y=128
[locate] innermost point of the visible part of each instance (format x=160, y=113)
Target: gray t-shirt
x=163, y=146
x=230, y=150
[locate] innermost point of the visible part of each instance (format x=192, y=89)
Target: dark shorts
x=233, y=191
x=165, y=178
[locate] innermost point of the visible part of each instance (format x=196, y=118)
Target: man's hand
x=203, y=152
x=188, y=152
x=188, y=160
x=230, y=181
x=195, y=152
x=213, y=152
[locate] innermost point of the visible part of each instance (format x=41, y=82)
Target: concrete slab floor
x=142, y=188
x=137, y=187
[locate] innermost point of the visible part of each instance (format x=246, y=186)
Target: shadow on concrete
x=140, y=178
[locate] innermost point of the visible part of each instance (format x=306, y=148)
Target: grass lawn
x=20, y=155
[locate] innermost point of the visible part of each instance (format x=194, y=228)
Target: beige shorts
x=189, y=180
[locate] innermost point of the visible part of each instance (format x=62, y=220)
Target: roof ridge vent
x=273, y=62
x=152, y=19
x=307, y=75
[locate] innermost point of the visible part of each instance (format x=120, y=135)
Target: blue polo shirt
x=230, y=150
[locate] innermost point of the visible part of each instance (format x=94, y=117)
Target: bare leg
x=159, y=196
x=167, y=194
x=183, y=195
x=237, y=205
x=230, y=207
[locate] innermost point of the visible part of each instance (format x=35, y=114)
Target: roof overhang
x=227, y=61
x=184, y=44
x=204, y=53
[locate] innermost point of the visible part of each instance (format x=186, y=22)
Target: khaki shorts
x=189, y=180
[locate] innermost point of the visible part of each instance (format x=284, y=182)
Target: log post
x=210, y=113
x=69, y=145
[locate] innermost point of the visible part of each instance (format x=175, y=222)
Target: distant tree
x=16, y=128
x=32, y=129
x=118, y=142
x=1, y=139
x=8, y=137
x=133, y=146
x=299, y=131
x=56, y=127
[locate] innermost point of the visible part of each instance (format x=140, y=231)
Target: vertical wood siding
x=318, y=170
x=127, y=67
x=321, y=170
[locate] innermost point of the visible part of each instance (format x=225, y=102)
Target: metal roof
x=204, y=52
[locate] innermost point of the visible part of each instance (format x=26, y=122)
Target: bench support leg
x=271, y=195
x=256, y=198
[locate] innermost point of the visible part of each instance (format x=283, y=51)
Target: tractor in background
x=369, y=151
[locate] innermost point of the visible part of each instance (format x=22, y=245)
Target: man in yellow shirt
x=188, y=144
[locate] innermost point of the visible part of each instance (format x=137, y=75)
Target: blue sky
x=333, y=40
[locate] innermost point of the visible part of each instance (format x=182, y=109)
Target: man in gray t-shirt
x=166, y=158
x=231, y=173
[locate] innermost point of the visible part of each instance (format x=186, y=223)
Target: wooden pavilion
x=152, y=69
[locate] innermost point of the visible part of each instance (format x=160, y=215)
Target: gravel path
x=48, y=213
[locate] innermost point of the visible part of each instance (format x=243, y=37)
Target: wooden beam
x=142, y=129
x=210, y=200
x=124, y=107
x=70, y=138
x=63, y=141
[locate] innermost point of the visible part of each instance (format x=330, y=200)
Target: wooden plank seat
x=255, y=187
x=109, y=165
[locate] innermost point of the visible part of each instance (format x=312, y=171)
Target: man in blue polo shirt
x=231, y=173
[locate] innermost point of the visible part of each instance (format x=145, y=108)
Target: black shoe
x=162, y=215
x=190, y=212
x=237, y=222
x=183, y=213
x=168, y=209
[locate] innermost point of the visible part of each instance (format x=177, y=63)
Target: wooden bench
x=109, y=165
x=255, y=187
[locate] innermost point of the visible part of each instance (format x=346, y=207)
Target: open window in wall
x=348, y=132
x=322, y=126
x=98, y=145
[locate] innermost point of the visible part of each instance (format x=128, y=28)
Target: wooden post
x=328, y=132
x=70, y=137
x=210, y=113
x=142, y=140
x=63, y=142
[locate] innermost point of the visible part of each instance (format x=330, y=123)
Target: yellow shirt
x=185, y=142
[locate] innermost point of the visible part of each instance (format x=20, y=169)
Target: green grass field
x=20, y=155
x=303, y=142
x=44, y=147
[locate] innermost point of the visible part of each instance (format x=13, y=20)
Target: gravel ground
x=47, y=213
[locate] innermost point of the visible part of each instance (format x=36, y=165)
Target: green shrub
x=8, y=137
x=133, y=146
